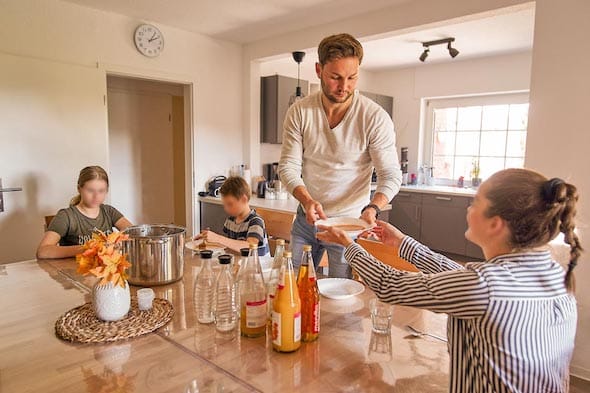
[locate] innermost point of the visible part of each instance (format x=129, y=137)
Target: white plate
x=340, y=288
x=194, y=245
x=334, y=221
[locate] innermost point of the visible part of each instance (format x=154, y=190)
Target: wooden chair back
x=386, y=254
x=48, y=220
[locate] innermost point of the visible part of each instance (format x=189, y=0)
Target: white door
x=53, y=124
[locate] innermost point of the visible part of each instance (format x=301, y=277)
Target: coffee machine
x=404, y=165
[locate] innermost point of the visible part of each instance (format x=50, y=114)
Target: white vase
x=111, y=302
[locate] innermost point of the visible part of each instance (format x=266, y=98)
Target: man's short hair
x=339, y=46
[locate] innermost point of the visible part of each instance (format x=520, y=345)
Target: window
x=489, y=131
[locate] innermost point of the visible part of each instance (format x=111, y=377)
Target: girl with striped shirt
x=512, y=319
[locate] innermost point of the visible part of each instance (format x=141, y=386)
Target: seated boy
x=243, y=226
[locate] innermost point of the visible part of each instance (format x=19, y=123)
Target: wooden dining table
x=185, y=356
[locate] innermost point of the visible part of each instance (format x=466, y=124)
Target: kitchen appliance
x=156, y=253
x=404, y=165
x=261, y=189
x=271, y=171
x=214, y=185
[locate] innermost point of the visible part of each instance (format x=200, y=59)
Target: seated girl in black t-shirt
x=73, y=226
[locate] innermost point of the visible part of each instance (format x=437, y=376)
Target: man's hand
x=333, y=235
x=369, y=216
x=386, y=234
x=314, y=211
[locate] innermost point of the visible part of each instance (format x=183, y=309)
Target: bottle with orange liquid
x=286, y=314
x=253, y=311
x=310, y=297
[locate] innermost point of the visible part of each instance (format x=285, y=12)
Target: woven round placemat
x=81, y=325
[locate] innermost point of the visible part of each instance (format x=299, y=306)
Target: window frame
x=432, y=103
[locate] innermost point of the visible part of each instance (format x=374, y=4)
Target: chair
x=278, y=225
x=386, y=254
x=48, y=220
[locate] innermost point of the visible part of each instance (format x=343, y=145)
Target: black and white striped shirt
x=511, y=323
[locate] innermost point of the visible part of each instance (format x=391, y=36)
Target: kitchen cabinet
x=212, y=217
x=405, y=213
x=386, y=102
x=436, y=220
x=443, y=223
x=275, y=93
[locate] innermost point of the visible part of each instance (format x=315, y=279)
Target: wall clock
x=149, y=41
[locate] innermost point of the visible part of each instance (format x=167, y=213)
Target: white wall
x=409, y=86
x=558, y=134
x=69, y=37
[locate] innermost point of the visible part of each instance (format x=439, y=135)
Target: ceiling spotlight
x=452, y=51
x=424, y=54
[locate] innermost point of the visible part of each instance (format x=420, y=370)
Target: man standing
x=332, y=140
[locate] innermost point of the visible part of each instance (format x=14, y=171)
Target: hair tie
x=550, y=188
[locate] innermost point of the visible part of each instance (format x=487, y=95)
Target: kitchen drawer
x=404, y=196
x=446, y=200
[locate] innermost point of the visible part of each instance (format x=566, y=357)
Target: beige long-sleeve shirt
x=335, y=165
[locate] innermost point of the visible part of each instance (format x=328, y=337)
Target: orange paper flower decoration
x=102, y=258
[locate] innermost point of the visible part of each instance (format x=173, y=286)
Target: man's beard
x=331, y=97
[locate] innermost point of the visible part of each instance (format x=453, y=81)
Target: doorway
x=150, y=150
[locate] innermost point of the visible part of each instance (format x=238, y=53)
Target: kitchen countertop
x=280, y=205
x=446, y=190
x=346, y=357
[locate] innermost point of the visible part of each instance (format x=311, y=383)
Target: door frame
x=189, y=151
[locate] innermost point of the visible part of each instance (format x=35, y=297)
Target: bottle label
x=276, y=328
x=316, y=318
x=297, y=328
x=256, y=314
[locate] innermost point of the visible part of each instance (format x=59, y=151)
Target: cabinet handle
x=443, y=198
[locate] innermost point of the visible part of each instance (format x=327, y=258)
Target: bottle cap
x=253, y=246
x=281, y=242
x=307, y=247
x=225, y=259
x=206, y=254
x=244, y=252
x=287, y=254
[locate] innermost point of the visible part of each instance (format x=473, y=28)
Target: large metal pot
x=156, y=253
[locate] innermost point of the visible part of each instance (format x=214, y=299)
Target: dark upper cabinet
x=275, y=93
x=386, y=102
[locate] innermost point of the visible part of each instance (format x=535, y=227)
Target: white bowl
x=346, y=221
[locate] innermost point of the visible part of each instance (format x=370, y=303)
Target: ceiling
x=495, y=35
x=240, y=21
x=499, y=34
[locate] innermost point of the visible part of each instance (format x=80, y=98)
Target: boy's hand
x=209, y=236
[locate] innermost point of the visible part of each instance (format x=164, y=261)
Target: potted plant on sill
x=475, y=179
x=102, y=258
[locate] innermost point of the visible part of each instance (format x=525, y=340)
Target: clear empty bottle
x=254, y=314
x=271, y=285
x=225, y=297
x=205, y=289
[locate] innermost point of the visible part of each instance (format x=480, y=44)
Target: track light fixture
x=452, y=51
